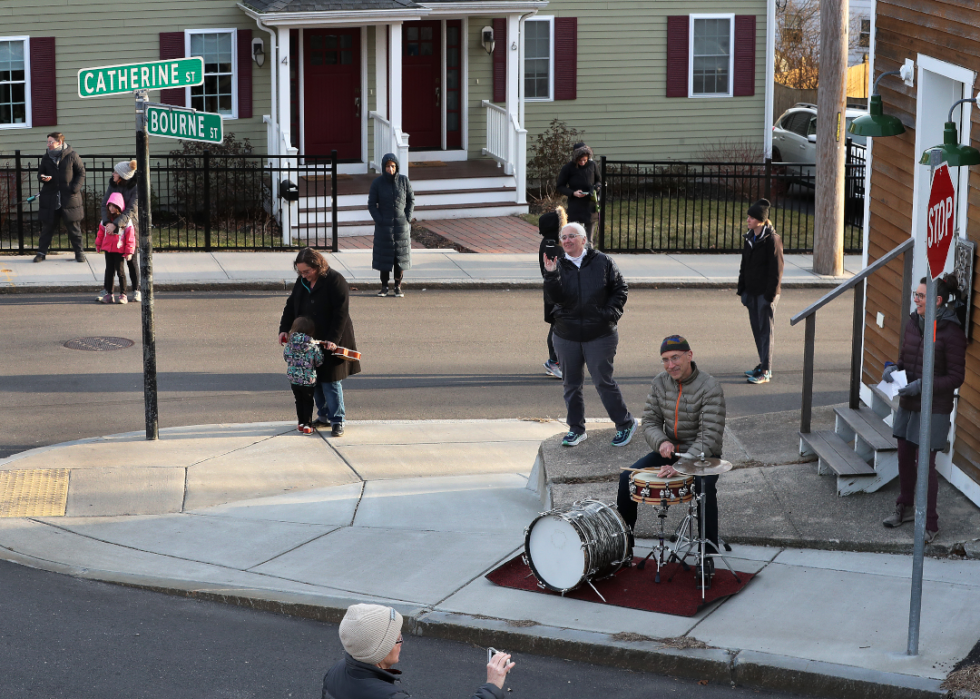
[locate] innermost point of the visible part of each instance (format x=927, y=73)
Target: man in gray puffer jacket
x=684, y=415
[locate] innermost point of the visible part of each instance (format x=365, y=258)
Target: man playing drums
x=684, y=416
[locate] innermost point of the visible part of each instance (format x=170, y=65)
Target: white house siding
x=622, y=75
x=92, y=33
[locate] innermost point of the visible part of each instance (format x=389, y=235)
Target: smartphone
x=491, y=652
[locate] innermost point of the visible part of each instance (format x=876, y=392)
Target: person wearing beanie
x=579, y=180
x=391, y=203
x=549, y=225
x=62, y=176
x=371, y=635
x=123, y=183
x=759, y=278
x=684, y=418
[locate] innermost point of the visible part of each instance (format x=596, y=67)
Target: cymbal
x=703, y=467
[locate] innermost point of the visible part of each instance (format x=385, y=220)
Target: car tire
x=777, y=157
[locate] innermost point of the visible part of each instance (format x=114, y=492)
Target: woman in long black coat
x=322, y=294
x=62, y=177
x=391, y=203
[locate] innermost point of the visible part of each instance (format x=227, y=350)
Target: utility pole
x=146, y=268
x=828, y=235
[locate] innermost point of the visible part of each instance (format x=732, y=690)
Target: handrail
x=491, y=105
x=375, y=115
x=853, y=281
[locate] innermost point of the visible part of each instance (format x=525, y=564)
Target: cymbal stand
x=686, y=545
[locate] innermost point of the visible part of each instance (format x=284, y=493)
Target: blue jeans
x=329, y=397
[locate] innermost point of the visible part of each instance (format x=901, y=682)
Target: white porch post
x=290, y=211
x=400, y=145
x=381, y=70
x=517, y=135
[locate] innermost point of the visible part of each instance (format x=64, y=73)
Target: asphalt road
x=65, y=638
x=432, y=354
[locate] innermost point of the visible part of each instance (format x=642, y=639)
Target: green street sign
x=184, y=124
x=155, y=75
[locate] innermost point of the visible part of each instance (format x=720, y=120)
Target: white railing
x=498, y=136
x=287, y=213
x=519, y=156
x=388, y=140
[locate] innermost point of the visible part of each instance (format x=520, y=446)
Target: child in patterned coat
x=303, y=355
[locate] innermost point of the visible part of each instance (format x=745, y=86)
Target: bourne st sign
x=184, y=124
x=155, y=75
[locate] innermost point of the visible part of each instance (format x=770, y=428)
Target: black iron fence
x=700, y=207
x=198, y=201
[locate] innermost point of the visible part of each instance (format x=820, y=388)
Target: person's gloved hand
x=913, y=389
x=886, y=375
x=119, y=242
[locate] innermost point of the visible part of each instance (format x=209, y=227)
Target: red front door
x=422, y=83
x=332, y=92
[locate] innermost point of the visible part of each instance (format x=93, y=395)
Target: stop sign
x=939, y=226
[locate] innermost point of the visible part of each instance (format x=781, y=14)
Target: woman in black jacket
x=391, y=203
x=759, y=278
x=322, y=294
x=62, y=176
x=580, y=180
x=588, y=294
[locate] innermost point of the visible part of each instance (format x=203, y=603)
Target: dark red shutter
x=44, y=93
x=566, y=57
x=500, y=60
x=172, y=46
x=743, y=84
x=244, y=73
x=678, y=27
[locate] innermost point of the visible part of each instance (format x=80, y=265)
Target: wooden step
x=867, y=426
x=882, y=404
x=836, y=454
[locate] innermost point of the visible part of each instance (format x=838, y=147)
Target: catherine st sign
x=184, y=124
x=156, y=75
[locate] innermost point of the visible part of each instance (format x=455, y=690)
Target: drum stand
x=661, y=547
x=686, y=544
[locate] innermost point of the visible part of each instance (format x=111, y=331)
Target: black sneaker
x=753, y=372
x=384, y=291
x=79, y=256
x=623, y=437
x=40, y=257
x=320, y=422
x=398, y=292
x=337, y=430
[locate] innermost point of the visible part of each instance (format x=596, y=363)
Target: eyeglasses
x=918, y=297
x=400, y=639
x=568, y=237
x=676, y=359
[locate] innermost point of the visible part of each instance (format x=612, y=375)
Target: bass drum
x=579, y=543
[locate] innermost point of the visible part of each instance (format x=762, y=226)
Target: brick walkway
x=497, y=234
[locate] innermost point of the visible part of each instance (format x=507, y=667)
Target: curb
x=717, y=665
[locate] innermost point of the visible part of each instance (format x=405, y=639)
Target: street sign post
x=184, y=124
x=154, y=75
x=939, y=224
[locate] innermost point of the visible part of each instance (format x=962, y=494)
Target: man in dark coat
x=322, y=294
x=579, y=180
x=391, y=203
x=62, y=176
x=588, y=293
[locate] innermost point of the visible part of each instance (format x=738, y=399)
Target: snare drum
x=646, y=487
x=578, y=543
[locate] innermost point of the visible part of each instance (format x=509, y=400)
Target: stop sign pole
x=939, y=233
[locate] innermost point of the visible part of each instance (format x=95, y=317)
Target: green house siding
x=622, y=83
x=91, y=33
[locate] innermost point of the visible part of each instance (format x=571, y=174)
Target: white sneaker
x=106, y=298
x=137, y=296
x=122, y=299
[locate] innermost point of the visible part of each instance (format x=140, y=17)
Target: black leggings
x=134, y=270
x=304, y=403
x=399, y=274
x=113, y=268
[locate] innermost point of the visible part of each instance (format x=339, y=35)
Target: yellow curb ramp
x=34, y=492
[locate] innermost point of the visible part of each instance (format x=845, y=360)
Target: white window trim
x=234, y=65
x=550, y=19
x=731, y=55
x=28, y=115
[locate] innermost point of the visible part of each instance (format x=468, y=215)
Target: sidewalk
x=439, y=268
x=259, y=515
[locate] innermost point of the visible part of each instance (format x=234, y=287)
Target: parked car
x=794, y=137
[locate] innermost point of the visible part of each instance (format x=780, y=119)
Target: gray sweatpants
x=598, y=355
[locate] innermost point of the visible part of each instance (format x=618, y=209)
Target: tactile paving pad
x=34, y=493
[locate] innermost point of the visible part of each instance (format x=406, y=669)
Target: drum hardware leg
x=594, y=590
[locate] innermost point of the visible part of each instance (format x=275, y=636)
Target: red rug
x=634, y=588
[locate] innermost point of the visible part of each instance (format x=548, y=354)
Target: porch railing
x=498, y=136
x=388, y=139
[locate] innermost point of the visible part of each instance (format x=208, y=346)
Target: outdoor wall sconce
x=486, y=38
x=875, y=123
x=954, y=154
x=258, y=52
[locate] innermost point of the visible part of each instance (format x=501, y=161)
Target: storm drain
x=34, y=493
x=99, y=344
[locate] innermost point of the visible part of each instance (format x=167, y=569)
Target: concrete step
x=354, y=208
x=435, y=192
x=865, y=426
x=422, y=213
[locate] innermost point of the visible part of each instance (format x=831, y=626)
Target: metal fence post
x=19, y=190
x=809, y=339
x=768, y=183
x=333, y=197
x=602, y=203
x=207, y=200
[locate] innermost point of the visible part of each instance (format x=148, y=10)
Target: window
x=538, y=68
x=796, y=122
x=711, y=55
x=218, y=94
x=14, y=82
x=864, y=38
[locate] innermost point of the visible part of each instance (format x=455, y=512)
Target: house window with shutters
x=15, y=86
x=218, y=94
x=712, y=52
x=539, y=72
x=864, y=38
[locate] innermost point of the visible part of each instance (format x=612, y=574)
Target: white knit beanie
x=369, y=631
x=125, y=169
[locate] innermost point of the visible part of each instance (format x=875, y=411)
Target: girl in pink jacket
x=118, y=247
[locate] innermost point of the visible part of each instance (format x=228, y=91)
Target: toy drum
x=646, y=487
x=577, y=543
